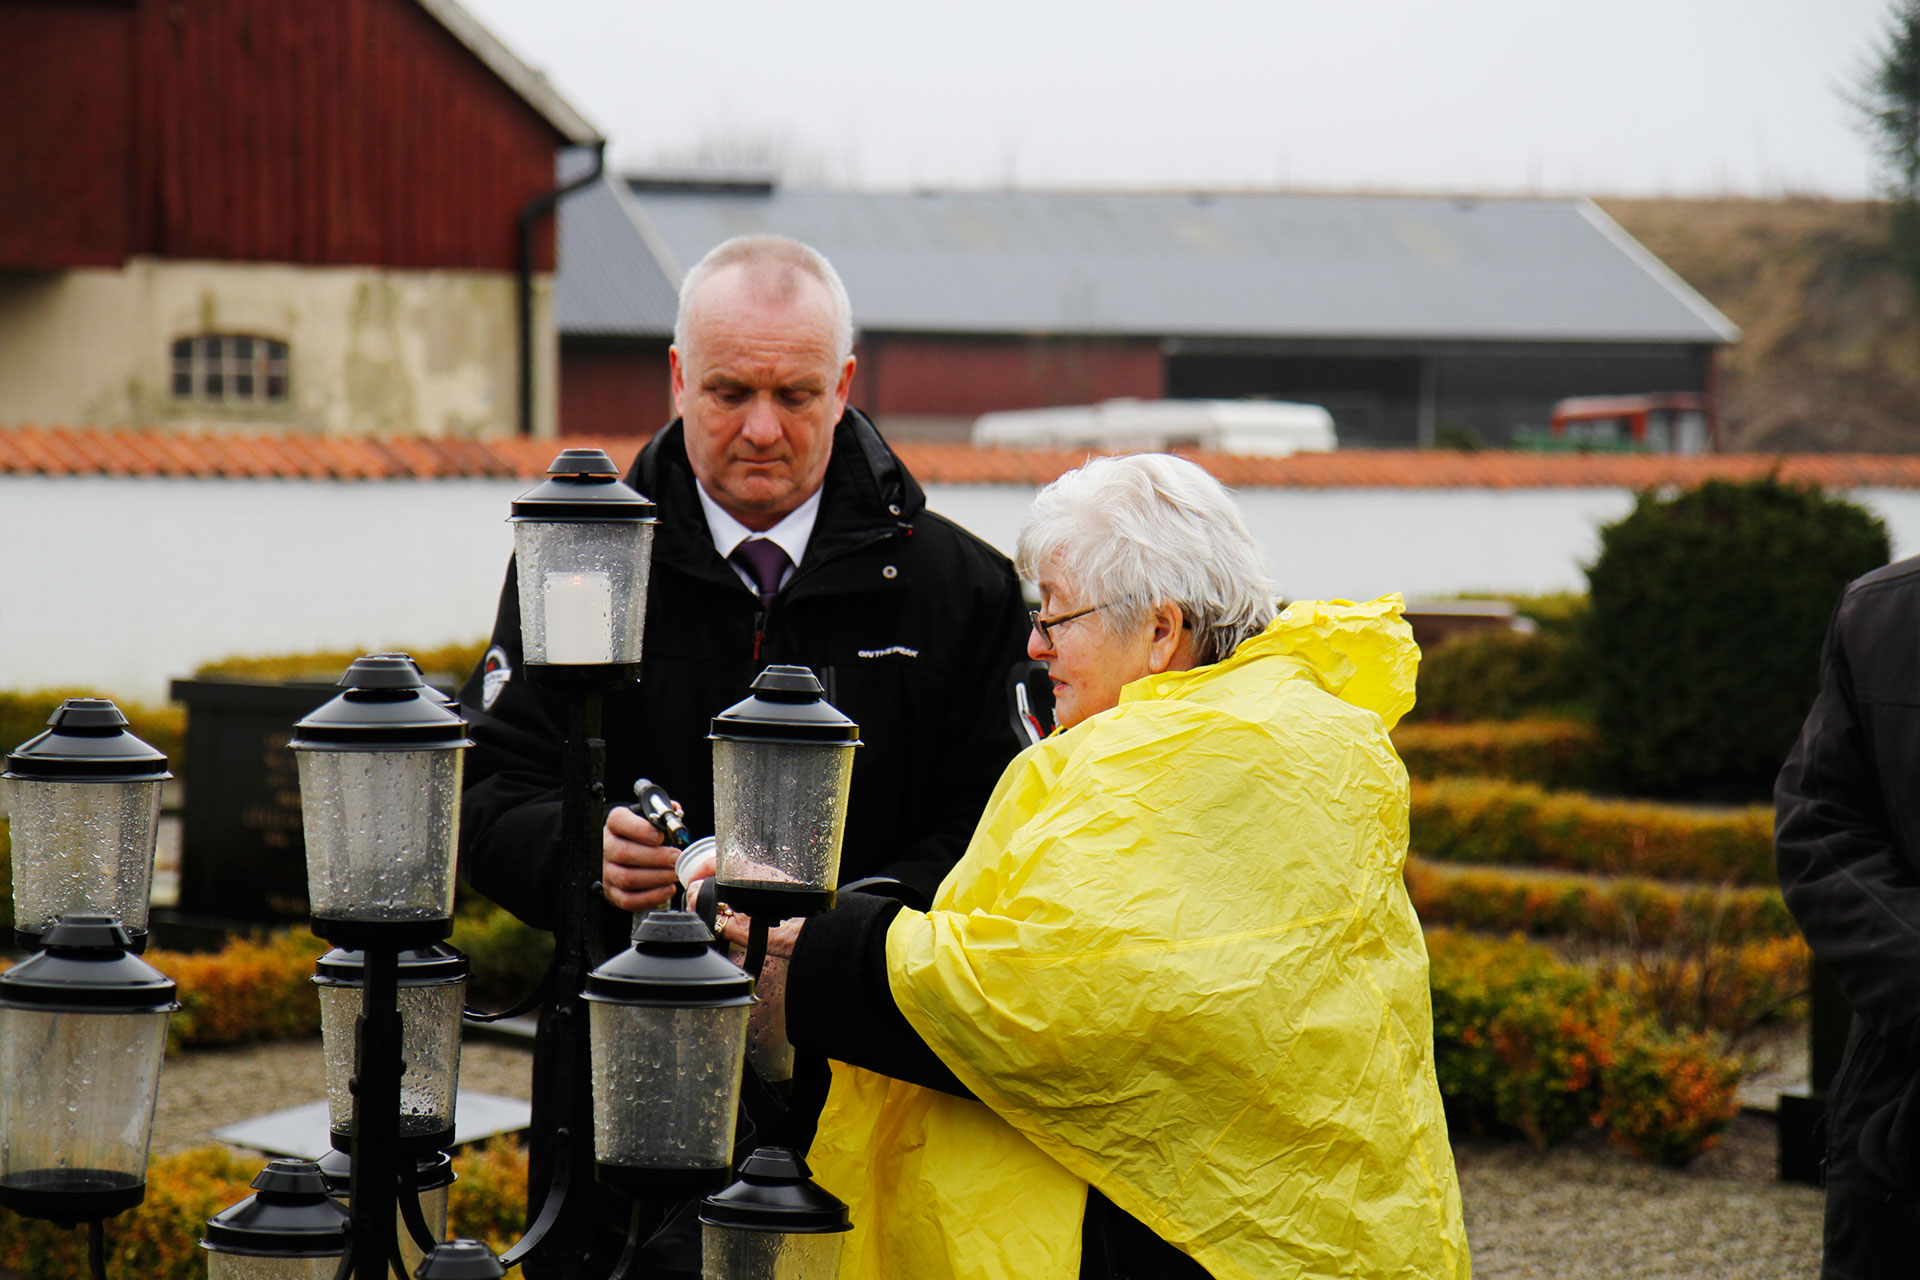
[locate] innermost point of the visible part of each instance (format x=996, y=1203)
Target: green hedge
x=1704, y=633
x=507, y=956
x=1556, y=754
x=451, y=660
x=1498, y=675
x=1611, y=910
x=1478, y=821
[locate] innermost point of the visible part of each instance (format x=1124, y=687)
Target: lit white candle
x=579, y=610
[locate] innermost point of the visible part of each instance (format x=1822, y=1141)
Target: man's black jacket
x=915, y=627
x=1847, y=844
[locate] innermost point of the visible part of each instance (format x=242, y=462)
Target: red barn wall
x=948, y=376
x=66, y=84
x=614, y=390
x=349, y=132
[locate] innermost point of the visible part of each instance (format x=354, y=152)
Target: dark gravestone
x=242, y=856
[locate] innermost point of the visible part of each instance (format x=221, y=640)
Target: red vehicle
x=1662, y=422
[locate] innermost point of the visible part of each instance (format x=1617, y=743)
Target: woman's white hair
x=773, y=262
x=1134, y=532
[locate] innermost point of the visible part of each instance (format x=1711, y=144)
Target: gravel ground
x=1584, y=1211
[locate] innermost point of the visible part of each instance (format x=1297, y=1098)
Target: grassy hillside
x=1830, y=357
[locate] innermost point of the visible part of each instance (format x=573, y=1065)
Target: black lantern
x=782, y=765
x=289, y=1229
x=86, y=806
x=773, y=1223
x=669, y=1025
x=583, y=545
x=83, y=1026
x=433, y=988
x=380, y=798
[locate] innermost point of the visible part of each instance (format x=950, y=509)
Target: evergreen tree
x=1888, y=101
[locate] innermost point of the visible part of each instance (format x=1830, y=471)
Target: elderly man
x=789, y=533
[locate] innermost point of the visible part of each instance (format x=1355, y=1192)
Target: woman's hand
x=780, y=938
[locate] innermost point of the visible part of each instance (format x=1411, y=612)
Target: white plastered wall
x=118, y=585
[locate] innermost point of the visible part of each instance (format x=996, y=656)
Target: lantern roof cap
x=582, y=484
x=290, y=1215
x=86, y=966
x=87, y=741
x=461, y=1260
x=387, y=705
x=671, y=961
x=775, y=1193
x=437, y=965
x=787, y=704
x=432, y=1170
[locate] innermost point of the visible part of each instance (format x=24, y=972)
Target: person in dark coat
x=1847, y=844
x=915, y=628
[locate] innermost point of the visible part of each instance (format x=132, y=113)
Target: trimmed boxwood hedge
x=1551, y=753
x=1481, y=821
x=1611, y=910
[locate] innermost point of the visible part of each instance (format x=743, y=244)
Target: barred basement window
x=227, y=368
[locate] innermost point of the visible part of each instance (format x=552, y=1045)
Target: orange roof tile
x=61, y=452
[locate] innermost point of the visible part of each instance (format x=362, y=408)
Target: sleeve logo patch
x=495, y=671
x=894, y=650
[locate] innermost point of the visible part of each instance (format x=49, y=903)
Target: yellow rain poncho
x=1176, y=961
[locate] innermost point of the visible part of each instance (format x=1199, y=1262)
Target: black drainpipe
x=530, y=213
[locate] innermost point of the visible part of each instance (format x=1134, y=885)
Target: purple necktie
x=764, y=562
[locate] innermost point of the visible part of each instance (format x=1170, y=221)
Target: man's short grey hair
x=1146, y=529
x=774, y=263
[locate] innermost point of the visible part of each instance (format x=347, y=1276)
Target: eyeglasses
x=1045, y=625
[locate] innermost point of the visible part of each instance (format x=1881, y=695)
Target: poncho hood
x=1176, y=962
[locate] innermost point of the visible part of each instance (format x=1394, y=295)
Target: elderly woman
x=1169, y=1016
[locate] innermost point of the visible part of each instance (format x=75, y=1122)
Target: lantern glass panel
x=381, y=828
x=246, y=1266
x=433, y=1211
x=82, y=847
x=77, y=1109
x=429, y=1044
x=583, y=589
x=730, y=1254
x=780, y=809
x=666, y=1081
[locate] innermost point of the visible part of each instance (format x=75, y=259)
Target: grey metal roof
x=611, y=281
x=1230, y=266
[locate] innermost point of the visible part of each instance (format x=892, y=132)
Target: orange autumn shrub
x=252, y=989
x=1525, y=1043
x=159, y=1240
x=488, y=1199
x=1729, y=988
x=1480, y=821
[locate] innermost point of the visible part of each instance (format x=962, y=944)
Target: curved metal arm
x=632, y=1251
x=97, y=1248
x=549, y=1208
x=756, y=945
x=410, y=1211
x=526, y=1004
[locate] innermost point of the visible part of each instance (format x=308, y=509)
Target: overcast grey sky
x=1625, y=97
